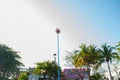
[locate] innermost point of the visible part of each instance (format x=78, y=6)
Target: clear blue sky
x=28, y=26
x=100, y=17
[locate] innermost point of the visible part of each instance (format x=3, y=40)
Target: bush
x=96, y=76
x=23, y=76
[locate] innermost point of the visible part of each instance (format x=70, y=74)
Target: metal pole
x=58, y=31
x=55, y=67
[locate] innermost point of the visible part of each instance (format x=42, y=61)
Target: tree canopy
x=23, y=76
x=9, y=62
x=118, y=46
x=92, y=57
x=108, y=55
x=47, y=68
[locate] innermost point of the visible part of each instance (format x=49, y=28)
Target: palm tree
x=118, y=47
x=76, y=59
x=94, y=57
x=89, y=56
x=107, y=55
x=84, y=56
x=72, y=59
x=46, y=68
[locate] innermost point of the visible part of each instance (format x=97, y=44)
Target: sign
x=75, y=73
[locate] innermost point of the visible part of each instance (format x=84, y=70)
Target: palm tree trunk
x=88, y=69
x=44, y=76
x=109, y=70
x=94, y=70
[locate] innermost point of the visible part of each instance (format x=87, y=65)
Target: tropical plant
x=94, y=57
x=23, y=76
x=96, y=76
x=118, y=47
x=87, y=56
x=107, y=55
x=46, y=68
x=9, y=62
x=72, y=59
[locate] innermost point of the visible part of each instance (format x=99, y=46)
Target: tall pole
x=55, y=66
x=58, y=31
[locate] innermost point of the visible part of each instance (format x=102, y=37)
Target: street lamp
x=58, y=31
x=55, y=66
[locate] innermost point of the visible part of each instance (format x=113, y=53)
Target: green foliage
x=87, y=56
x=23, y=76
x=96, y=76
x=107, y=52
x=91, y=56
x=72, y=59
x=9, y=62
x=118, y=46
x=46, y=68
x=107, y=55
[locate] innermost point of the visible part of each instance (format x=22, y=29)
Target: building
x=75, y=74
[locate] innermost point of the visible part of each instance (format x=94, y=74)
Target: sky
x=28, y=26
